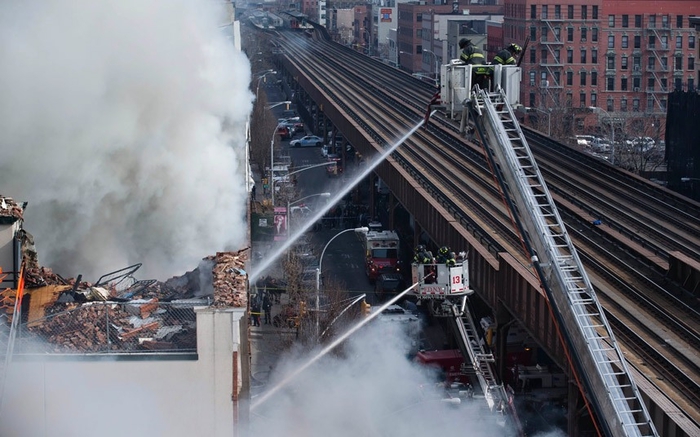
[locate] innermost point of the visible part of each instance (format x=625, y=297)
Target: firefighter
x=507, y=55
x=473, y=55
x=451, y=259
x=443, y=254
x=418, y=254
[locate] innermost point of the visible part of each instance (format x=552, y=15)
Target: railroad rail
x=626, y=256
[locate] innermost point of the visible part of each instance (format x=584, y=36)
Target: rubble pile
x=11, y=209
x=230, y=279
x=104, y=327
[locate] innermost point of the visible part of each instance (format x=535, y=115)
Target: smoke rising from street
x=372, y=390
x=122, y=123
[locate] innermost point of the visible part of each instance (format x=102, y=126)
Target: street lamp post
x=320, y=264
x=549, y=119
x=265, y=73
x=612, y=130
x=437, y=73
x=272, y=149
x=290, y=204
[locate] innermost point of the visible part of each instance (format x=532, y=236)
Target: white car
x=307, y=141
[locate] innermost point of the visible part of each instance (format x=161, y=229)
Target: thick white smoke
x=122, y=123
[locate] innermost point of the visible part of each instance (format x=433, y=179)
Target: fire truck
x=381, y=253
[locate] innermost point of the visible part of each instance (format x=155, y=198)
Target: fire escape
x=551, y=41
x=657, y=68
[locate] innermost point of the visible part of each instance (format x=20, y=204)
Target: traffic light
x=365, y=308
x=302, y=309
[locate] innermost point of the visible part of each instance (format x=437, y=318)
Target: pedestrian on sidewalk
x=267, y=307
x=252, y=192
x=255, y=312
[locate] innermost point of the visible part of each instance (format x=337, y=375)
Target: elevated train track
x=447, y=184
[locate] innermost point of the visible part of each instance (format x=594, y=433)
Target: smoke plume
x=122, y=123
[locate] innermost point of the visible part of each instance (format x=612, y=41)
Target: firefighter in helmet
x=443, y=253
x=507, y=55
x=451, y=259
x=473, y=55
x=418, y=254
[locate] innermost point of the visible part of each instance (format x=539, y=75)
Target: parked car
x=284, y=132
x=307, y=141
x=389, y=284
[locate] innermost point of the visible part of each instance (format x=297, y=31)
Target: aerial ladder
x=594, y=352
x=445, y=289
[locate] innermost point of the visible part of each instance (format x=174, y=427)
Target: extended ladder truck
x=594, y=353
x=445, y=290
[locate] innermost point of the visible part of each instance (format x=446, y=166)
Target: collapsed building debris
x=120, y=313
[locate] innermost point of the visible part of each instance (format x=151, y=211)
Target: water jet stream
x=256, y=271
x=257, y=402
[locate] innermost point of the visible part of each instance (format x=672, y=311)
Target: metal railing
x=113, y=327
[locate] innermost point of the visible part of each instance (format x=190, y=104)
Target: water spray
x=328, y=348
x=257, y=271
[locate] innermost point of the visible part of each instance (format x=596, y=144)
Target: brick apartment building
x=620, y=56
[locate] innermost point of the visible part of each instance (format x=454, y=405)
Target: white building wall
x=135, y=395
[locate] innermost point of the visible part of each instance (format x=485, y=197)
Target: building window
x=679, y=63
x=594, y=99
x=583, y=56
x=584, y=12
x=532, y=78
x=637, y=63
x=419, y=18
x=594, y=56
x=544, y=56
x=533, y=12
x=635, y=105
x=650, y=84
x=611, y=84
x=595, y=12
x=557, y=77
x=532, y=100
x=611, y=41
x=594, y=34
x=652, y=41
x=664, y=42
x=610, y=104
x=664, y=84
x=691, y=63
x=545, y=34
x=691, y=84
x=650, y=103
x=545, y=9
x=691, y=41
x=623, y=84
x=664, y=22
x=584, y=34
x=533, y=33
x=557, y=56
x=611, y=62
x=638, y=21
x=652, y=21
x=611, y=21
x=582, y=100
x=625, y=41
x=594, y=78
x=651, y=63
x=679, y=21
x=569, y=78
x=569, y=56
x=637, y=42
x=570, y=12
x=625, y=20
x=664, y=63
x=569, y=34
x=623, y=104
x=533, y=56
x=636, y=83
x=557, y=34
x=623, y=62
x=679, y=41
x=583, y=78
x=557, y=12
